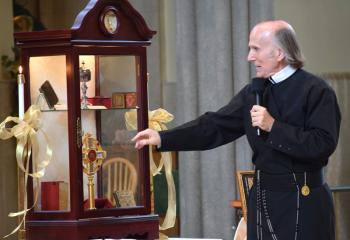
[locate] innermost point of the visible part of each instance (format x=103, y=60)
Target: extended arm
x=210, y=130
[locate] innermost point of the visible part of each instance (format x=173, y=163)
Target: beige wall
x=60, y=14
x=54, y=14
x=8, y=168
x=323, y=29
x=6, y=27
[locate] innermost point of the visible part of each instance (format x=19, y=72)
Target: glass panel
x=48, y=89
x=108, y=92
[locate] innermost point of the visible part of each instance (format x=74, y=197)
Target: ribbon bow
x=156, y=121
x=26, y=131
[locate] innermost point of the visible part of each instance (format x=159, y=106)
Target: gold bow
x=25, y=131
x=156, y=121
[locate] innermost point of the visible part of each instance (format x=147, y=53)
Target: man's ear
x=280, y=54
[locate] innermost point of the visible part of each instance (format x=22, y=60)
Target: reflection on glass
x=53, y=188
x=113, y=88
x=85, y=76
x=120, y=170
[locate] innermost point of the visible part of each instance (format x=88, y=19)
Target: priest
x=292, y=124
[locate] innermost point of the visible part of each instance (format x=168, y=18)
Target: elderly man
x=299, y=119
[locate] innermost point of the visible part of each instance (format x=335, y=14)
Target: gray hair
x=286, y=40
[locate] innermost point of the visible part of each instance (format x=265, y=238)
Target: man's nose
x=250, y=56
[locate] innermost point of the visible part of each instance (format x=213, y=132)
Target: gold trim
x=138, y=70
x=79, y=132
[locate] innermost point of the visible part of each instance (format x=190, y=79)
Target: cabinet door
x=108, y=95
x=48, y=90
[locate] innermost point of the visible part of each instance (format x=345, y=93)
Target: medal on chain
x=305, y=190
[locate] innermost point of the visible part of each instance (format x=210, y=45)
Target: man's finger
x=257, y=108
x=254, y=114
x=141, y=143
x=139, y=135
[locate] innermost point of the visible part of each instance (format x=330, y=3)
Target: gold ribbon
x=26, y=131
x=156, y=121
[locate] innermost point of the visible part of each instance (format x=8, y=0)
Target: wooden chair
x=244, y=183
x=119, y=174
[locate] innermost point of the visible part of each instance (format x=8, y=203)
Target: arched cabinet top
x=131, y=24
x=101, y=22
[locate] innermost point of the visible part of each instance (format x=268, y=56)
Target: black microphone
x=258, y=87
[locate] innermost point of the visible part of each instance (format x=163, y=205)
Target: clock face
x=110, y=21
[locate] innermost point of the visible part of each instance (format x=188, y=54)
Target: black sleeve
x=208, y=131
x=319, y=137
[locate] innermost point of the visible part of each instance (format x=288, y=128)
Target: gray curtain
x=211, y=47
x=337, y=171
x=150, y=10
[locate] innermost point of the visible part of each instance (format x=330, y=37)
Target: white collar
x=283, y=74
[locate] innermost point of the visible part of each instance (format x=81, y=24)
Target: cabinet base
x=136, y=227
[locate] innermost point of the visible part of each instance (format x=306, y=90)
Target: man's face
x=264, y=53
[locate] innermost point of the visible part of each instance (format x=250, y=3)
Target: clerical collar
x=282, y=75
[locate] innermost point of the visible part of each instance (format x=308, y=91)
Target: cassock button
x=270, y=142
x=280, y=146
x=288, y=149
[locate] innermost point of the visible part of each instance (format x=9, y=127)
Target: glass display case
x=85, y=80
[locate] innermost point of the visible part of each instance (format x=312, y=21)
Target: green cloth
x=161, y=192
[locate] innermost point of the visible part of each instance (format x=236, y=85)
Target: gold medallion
x=305, y=190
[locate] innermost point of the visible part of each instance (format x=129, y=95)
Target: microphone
x=258, y=87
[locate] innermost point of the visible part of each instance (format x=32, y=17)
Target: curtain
x=208, y=52
x=337, y=171
x=211, y=52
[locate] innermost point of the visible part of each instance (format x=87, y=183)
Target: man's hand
x=146, y=137
x=261, y=118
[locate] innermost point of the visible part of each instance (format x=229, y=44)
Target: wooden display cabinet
x=100, y=60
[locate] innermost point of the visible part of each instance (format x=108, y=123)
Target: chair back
x=120, y=174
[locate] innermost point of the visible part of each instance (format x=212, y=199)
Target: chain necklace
x=261, y=204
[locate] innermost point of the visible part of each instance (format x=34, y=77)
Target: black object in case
x=49, y=94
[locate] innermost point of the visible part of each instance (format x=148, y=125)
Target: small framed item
x=118, y=100
x=49, y=94
x=124, y=198
x=245, y=180
x=130, y=100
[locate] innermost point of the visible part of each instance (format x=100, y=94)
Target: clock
x=109, y=21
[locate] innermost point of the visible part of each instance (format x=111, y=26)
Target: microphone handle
x=257, y=100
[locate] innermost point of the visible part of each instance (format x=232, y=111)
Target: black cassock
x=303, y=136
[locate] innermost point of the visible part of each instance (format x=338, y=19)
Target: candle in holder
x=20, y=81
